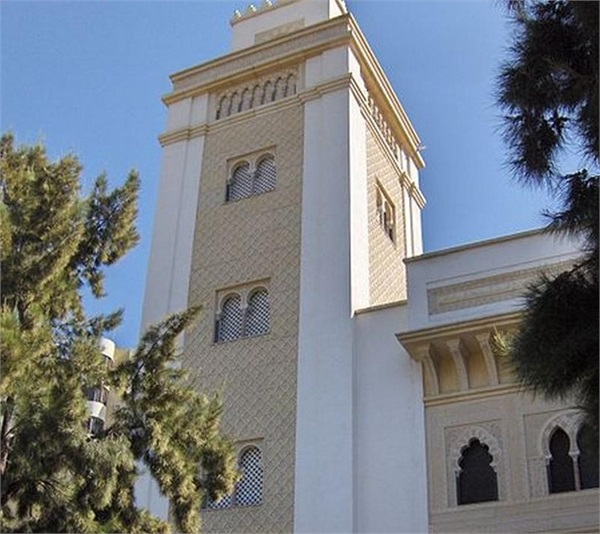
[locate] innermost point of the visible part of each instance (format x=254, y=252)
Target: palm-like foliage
x=549, y=91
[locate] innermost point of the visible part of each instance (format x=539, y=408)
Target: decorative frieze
x=486, y=290
x=278, y=31
x=256, y=93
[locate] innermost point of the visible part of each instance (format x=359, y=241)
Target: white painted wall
x=359, y=209
x=475, y=261
x=309, y=11
x=390, y=477
x=172, y=243
x=324, y=446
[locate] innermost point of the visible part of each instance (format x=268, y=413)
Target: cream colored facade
x=459, y=299
x=347, y=419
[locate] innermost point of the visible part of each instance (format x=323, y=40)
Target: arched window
x=561, y=475
x=477, y=481
x=244, y=182
x=266, y=175
x=249, y=489
x=229, y=323
x=258, y=314
x=587, y=462
x=240, y=185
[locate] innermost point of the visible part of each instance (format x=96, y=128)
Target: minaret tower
x=288, y=200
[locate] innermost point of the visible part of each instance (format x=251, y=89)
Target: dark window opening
x=477, y=480
x=561, y=475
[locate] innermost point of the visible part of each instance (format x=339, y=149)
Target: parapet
x=273, y=18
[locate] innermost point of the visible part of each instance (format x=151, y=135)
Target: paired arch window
x=477, y=480
x=249, y=490
x=244, y=313
x=246, y=181
x=572, y=465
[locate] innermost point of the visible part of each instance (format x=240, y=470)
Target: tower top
x=272, y=18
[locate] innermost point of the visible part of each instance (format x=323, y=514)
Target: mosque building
x=357, y=375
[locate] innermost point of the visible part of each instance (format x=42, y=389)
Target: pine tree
x=56, y=476
x=548, y=89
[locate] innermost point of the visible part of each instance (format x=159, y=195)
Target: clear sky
x=86, y=77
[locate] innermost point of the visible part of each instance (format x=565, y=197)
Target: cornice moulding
x=503, y=321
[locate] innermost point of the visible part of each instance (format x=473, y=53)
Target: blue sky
x=86, y=77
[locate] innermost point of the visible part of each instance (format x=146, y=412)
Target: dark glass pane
x=588, y=459
x=477, y=481
x=560, y=470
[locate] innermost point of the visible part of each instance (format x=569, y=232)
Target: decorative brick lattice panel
x=387, y=273
x=230, y=323
x=258, y=316
x=250, y=489
x=266, y=176
x=237, y=243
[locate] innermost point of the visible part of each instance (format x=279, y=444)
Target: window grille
x=230, y=321
x=266, y=176
x=240, y=185
x=244, y=183
x=477, y=480
x=223, y=502
x=249, y=490
x=258, y=314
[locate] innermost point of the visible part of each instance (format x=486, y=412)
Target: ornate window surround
x=571, y=423
x=457, y=439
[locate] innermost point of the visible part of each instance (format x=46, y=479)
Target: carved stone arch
x=267, y=95
x=279, y=89
x=290, y=84
x=246, y=100
x=223, y=298
x=221, y=108
x=256, y=96
x=570, y=422
x=464, y=439
x=233, y=103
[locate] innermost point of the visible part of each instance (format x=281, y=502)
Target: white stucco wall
x=308, y=11
x=324, y=446
x=172, y=241
x=390, y=477
x=476, y=261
